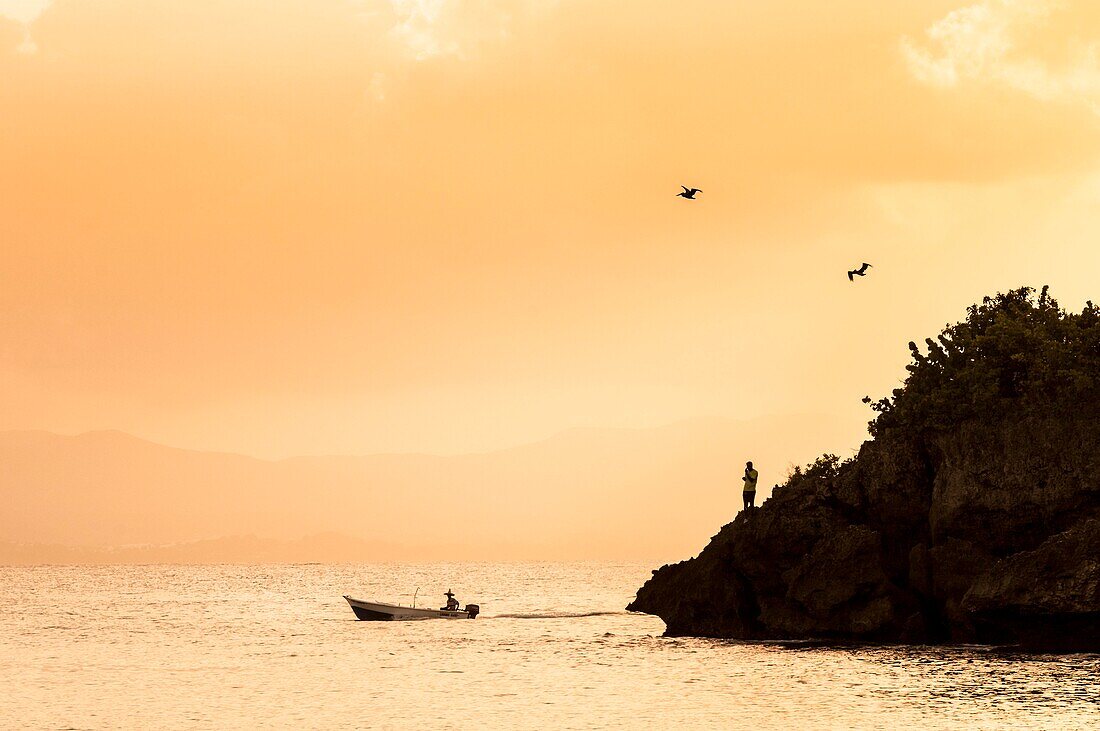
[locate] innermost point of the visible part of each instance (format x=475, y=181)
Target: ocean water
x=165, y=647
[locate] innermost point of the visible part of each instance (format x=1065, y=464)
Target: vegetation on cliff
x=1015, y=353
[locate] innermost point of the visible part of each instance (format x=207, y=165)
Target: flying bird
x=689, y=193
x=861, y=272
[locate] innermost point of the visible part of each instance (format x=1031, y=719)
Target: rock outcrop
x=982, y=527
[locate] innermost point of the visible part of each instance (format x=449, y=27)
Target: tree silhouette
x=1015, y=353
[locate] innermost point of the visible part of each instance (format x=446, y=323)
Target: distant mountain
x=585, y=493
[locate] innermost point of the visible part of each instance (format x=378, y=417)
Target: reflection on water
x=277, y=646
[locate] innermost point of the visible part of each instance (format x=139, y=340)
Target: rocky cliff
x=972, y=516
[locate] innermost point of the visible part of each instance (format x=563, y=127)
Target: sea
x=252, y=647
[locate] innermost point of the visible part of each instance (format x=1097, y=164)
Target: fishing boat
x=382, y=612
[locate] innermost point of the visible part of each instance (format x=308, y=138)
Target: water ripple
x=276, y=647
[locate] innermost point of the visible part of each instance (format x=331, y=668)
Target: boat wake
x=556, y=615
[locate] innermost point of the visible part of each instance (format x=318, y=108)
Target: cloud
x=427, y=29
x=417, y=28
x=422, y=30
x=980, y=43
x=24, y=12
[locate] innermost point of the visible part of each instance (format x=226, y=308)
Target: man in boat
x=750, y=478
x=452, y=603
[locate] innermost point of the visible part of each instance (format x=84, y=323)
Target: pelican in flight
x=689, y=193
x=861, y=272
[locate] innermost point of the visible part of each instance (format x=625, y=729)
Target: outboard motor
x=473, y=609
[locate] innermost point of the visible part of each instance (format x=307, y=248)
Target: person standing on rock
x=750, y=478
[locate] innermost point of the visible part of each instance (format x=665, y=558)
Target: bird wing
x=686, y=189
x=863, y=269
x=850, y=277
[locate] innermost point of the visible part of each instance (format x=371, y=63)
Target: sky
x=357, y=226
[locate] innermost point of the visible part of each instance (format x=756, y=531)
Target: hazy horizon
x=611, y=494
x=858, y=437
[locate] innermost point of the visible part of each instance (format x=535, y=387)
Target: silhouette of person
x=750, y=478
x=452, y=603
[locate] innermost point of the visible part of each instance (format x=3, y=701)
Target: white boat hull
x=382, y=612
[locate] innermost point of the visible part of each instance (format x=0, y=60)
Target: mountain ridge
x=577, y=494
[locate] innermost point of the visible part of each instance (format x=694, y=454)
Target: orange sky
x=321, y=226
